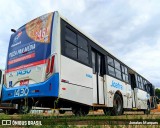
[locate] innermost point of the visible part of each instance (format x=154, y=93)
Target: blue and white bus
x=52, y=63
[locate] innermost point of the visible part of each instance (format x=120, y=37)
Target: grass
x=90, y=121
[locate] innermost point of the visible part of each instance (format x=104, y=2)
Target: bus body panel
x=133, y=99
x=75, y=93
x=94, y=78
x=77, y=85
x=44, y=89
x=114, y=85
x=141, y=98
x=26, y=76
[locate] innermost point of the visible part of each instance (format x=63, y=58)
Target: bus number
x=21, y=92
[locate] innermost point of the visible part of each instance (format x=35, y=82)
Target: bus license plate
x=24, y=82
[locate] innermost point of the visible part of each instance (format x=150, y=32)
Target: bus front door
x=133, y=86
x=98, y=77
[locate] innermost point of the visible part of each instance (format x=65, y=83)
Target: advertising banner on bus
x=31, y=44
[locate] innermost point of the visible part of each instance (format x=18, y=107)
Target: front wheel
x=117, y=105
x=147, y=111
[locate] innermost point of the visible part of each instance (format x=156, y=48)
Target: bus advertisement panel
x=27, y=44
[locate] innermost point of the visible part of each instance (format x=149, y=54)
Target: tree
x=157, y=92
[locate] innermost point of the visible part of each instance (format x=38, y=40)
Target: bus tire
x=80, y=111
x=147, y=111
x=117, y=105
x=62, y=111
x=24, y=109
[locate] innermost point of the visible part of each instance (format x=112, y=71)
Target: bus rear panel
x=30, y=65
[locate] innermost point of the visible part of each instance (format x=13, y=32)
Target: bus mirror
x=13, y=30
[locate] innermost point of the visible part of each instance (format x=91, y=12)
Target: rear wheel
x=62, y=111
x=117, y=105
x=80, y=111
x=24, y=109
x=148, y=110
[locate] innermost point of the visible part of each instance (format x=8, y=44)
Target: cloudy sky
x=130, y=29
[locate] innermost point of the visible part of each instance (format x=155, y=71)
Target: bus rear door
x=98, y=77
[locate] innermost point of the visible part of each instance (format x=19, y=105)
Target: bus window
x=83, y=50
x=70, y=36
x=82, y=43
x=117, y=65
x=83, y=56
x=117, y=69
x=93, y=62
x=70, y=50
x=122, y=67
x=111, y=70
x=118, y=74
x=75, y=45
x=145, y=85
x=124, y=73
x=110, y=61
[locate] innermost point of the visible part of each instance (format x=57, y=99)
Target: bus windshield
x=30, y=45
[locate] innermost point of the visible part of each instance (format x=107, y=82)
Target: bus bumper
x=48, y=88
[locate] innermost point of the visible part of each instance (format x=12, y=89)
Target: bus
x=52, y=63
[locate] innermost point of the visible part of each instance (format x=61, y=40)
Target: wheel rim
x=24, y=109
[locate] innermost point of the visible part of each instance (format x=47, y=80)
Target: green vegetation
x=90, y=121
x=157, y=91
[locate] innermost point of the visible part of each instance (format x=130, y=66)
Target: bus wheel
x=117, y=105
x=24, y=109
x=147, y=111
x=62, y=111
x=80, y=111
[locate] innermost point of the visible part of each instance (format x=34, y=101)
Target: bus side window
x=70, y=43
x=124, y=73
x=137, y=81
x=101, y=64
x=110, y=65
x=74, y=44
x=70, y=50
x=70, y=36
x=94, y=62
x=82, y=43
x=83, y=50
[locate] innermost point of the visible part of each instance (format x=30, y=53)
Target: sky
x=130, y=29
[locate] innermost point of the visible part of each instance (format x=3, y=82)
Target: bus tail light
x=50, y=65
